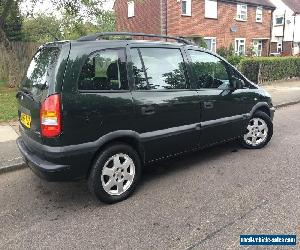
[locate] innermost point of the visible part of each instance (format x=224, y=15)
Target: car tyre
x=115, y=173
x=259, y=131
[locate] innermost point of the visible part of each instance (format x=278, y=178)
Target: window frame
x=215, y=41
x=239, y=12
x=185, y=60
x=277, y=17
x=104, y=91
x=205, y=9
x=259, y=12
x=231, y=70
x=188, y=8
x=235, y=47
x=130, y=12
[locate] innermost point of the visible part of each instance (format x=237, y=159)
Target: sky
x=46, y=6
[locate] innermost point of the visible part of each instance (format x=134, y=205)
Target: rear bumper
x=66, y=168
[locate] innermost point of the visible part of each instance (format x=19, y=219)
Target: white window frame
x=130, y=8
x=211, y=9
x=241, y=10
x=259, y=14
x=213, y=43
x=188, y=8
x=256, y=47
x=275, y=21
x=237, y=46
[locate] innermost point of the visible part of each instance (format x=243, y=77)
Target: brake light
x=50, y=116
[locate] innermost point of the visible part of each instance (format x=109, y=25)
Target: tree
x=6, y=8
x=71, y=7
x=41, y=29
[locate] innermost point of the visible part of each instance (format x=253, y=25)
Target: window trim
x=132, y=5
x=104, y=91
x=184, y=60
x=211, y=38
x=279, y=16
x=238, y=12
x=205, y=14
x=259, y=8
x=235, y=48
x=188, y=8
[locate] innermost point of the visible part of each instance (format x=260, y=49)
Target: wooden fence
x=25, y=52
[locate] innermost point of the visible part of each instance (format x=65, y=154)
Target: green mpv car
x=102, y=109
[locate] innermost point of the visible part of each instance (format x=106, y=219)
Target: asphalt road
x=204, y=200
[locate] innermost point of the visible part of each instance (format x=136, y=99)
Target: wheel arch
x=261, y=106
x=130, y=138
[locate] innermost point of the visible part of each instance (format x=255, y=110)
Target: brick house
x=286, y=27
x=244, y=24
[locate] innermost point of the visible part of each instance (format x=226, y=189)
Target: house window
x=257, y=47
x=279, y=47
x=211, y=9
x=211, y=43
x=130, y=9
x=279, y=20
x=186, y=7
x=241, y=12
x=259, y=14
x=240, y=46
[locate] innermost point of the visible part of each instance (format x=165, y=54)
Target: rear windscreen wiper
x=26, y=92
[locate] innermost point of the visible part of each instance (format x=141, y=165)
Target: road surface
x=204, y=200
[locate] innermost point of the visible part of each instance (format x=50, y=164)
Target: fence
x=24, y=50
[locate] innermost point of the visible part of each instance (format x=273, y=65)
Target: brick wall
x=197, y=24
x=148, y=19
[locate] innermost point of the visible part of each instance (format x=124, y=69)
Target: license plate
x=25, y=120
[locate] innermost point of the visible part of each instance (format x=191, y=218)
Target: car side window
x=158, y=68
x=211, y=71
x=104, y=70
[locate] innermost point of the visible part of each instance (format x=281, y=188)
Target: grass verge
x=8, y=103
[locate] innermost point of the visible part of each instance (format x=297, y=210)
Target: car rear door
x=167, y=111
x=97, y=99
x=222, y=107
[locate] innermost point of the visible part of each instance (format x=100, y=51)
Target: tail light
x=50, y=116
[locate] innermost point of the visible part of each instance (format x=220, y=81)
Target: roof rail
x=94, y=37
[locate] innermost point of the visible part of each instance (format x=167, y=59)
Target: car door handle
x=208, y=105
x=148, y=110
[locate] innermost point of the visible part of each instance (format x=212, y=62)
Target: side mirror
x=237, y=83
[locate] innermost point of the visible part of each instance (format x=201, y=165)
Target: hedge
x=262, y=69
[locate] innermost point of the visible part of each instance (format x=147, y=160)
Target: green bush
x=261, y=69
x=235, y=59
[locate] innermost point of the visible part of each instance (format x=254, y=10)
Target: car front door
x=167, y=111
x=222, y=113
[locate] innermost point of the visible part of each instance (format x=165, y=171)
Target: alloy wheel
x=257, y=132
x=118, y=174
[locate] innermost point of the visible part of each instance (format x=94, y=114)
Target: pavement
x=283, y=93
x=203, y=200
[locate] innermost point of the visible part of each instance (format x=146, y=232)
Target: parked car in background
x=103, y=109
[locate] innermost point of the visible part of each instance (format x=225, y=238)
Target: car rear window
x=40, y=70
